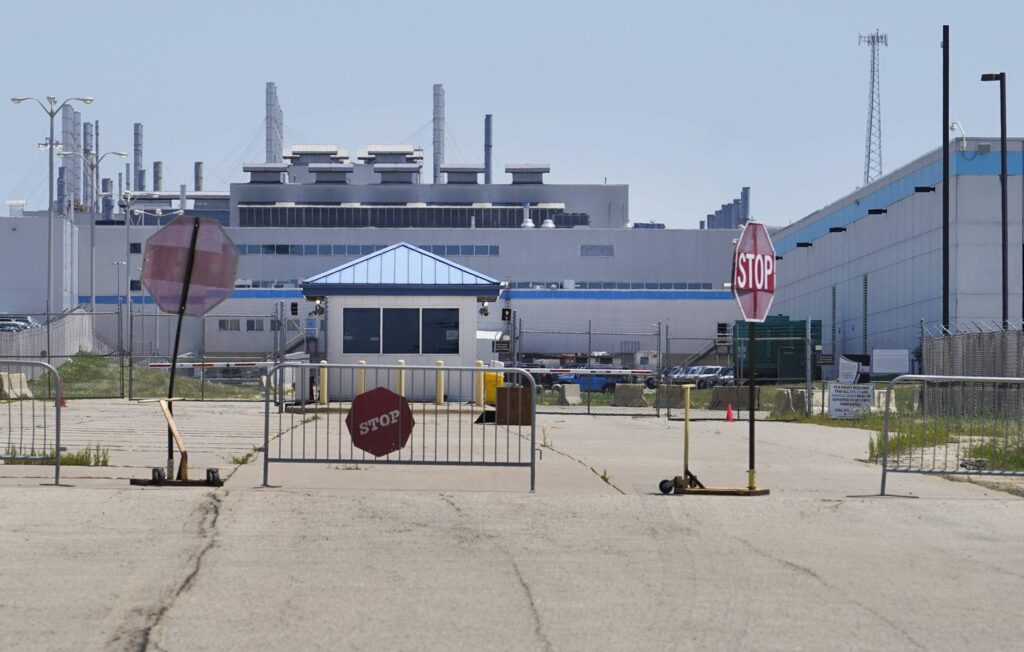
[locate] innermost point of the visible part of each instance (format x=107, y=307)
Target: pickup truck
x=602, y=382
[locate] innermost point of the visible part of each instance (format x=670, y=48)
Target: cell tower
x=873, y=139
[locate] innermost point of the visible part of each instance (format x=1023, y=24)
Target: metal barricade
x=952, y=425
x=455, y=416
x=30, y=401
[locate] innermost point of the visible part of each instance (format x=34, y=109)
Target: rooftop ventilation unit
x=527, y=173
x=265, y=172
x=331, y=172
x=466, y=173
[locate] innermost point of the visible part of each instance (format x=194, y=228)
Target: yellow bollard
x=439, y=382
x=686, y=431
x=361, y=379
x=478, y=384
x=323, y=382
x=401, y=378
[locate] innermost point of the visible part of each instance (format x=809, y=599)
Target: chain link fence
x=973, y=350
x=592, y=371
x=109, y=354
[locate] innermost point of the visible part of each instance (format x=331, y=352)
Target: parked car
x=726, y=379
x=11, y=327
x=708, y=376
x=25, y=320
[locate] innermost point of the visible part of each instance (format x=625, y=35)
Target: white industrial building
x=870, y=265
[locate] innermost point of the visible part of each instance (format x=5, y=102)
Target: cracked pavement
x=466, y=559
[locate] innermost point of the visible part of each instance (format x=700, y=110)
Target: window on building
x=135, y=285
x=440, y=330
x=401, y=330
x=493, y=250
x=254, y=325
x=361, y=332
x=228, y=324
x=597, y=250
x=135, y=247
x=324, y=250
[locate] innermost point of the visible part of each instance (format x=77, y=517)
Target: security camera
x=484, y=312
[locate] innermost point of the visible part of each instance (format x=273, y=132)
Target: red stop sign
x=380, y=422
x=753, y=272
x=213, y=272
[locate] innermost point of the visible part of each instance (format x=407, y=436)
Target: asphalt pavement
x=376, y=557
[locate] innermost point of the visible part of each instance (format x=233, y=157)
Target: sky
x=685, y=102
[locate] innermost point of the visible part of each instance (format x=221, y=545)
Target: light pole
x=1001, y=78
x=52, y=112
x=93, y=165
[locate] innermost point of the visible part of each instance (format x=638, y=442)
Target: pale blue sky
x=686, y=102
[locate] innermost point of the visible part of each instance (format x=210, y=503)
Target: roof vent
x=462, y=173
x=265, y=172
x=527, y=222
x=523, y=173
x=397, y=172
x=331, y=172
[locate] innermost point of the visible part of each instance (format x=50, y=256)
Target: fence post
x=809, y=358
x=439, y=382
x=657, y=366
x=478, y=384
x=361, y=378
x=323, y=383
x=401, y=378
x=590, y=349
x=666, y=364
x=120, y=340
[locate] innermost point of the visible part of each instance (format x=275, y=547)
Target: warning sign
x=849, y=401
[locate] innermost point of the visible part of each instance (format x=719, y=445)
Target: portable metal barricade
x=31, y=394
x=952, y=425
x=457, y=416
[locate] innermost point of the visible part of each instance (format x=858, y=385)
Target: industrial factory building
x=870, y=265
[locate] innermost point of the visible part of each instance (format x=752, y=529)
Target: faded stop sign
x=753, y=275
x=380, y=422
x=165, y=263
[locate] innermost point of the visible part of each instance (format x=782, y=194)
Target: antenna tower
x=873, y=139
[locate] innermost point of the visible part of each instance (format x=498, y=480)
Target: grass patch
x=240, y=460
x=87, y=375
x=96, y=456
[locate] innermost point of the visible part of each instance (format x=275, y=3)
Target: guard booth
x=401, y=304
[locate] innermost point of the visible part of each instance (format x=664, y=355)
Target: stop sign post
x=380, y=422
x=753, y=285
x=189, y=267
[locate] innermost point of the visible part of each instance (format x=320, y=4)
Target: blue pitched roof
x=401, y=269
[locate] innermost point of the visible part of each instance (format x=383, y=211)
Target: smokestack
x=61, y=189
x=106, y=186
x=127, y=176
x=487, y=148
x=120, y=184
x=158, y=176
x=139, y=184
x=274, y=124
x=198, y=184
x=87, y=179
x=438, y=132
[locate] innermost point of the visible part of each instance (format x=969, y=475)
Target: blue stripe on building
x=620, y=295
x=964, y=163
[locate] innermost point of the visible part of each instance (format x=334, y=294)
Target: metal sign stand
x=160, y=477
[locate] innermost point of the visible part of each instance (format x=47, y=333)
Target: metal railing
x=31, y=393
x=952, y=425
x=455, y=416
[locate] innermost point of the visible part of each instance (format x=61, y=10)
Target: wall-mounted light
x=877, y=211
x=778, y=258
x=837, y=229
x=803, y=245
x=924, y=189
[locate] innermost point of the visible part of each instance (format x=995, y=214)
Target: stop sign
x=753, y=272
x=165, y=261
x=380, y=422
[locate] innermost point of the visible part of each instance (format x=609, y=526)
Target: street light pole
x=52, y=112
x=1001, y=78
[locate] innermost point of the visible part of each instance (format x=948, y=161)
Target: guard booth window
x=361, y=333
x=401, y=330
x=440, y=330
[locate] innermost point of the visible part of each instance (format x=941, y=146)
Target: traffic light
x=506, y=314
x=295, y=308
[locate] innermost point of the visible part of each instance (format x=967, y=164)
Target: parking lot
x=370, y=557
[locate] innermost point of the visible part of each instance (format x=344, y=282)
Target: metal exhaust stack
x=487, y=147
x=438, y=132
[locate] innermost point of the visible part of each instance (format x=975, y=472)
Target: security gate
x=30, y=400
x=450, y=416
x=952, y=425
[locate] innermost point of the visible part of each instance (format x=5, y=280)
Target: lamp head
x=18, y=100
x=992, y=76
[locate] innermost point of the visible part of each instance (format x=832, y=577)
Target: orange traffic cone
x=728, y=413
